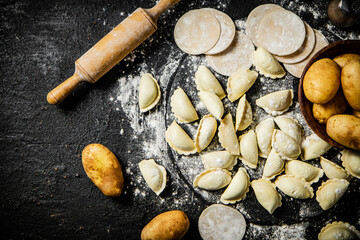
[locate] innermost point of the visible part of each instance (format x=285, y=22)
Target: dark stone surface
x=45, y=193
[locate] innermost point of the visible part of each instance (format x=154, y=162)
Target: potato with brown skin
x=346, y=58
x=171, y=225
x=103, y=168
x=344, y=129
x=350, y=82
x=322, y=81
x=337, y=105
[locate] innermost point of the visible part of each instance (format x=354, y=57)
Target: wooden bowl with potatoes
x=329, y=94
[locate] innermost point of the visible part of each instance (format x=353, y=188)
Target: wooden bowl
x=330, y=51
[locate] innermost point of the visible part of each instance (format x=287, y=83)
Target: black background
x=45, y=193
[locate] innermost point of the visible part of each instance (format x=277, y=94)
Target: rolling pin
x=112, y=48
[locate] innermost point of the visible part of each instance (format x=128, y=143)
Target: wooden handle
x=58, y=94
x=161, y=7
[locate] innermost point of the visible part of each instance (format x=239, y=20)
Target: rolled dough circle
x=221, y=222
x=227, y=32
x=281, y=32
x=238, y=55
x=197, y=31
x=254, y=18
x=297, y=68
x=304, y=51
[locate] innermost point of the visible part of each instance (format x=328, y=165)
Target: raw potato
x=322, y=81
x=103, y=168
x=345, y=129
x=171, y=225
x=350, y=82
x=337, y=105
x=346, y=58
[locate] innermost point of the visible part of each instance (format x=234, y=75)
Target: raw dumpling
x=206, y=132
x=313, y=147
x=218, y=159
x=330, y=192
x=154, y=175
x=182, y=107
x=290, y=126
x=294, y=187
x=227, y=135
x=274, y=165
x=285, y=145
x=239, y=82
x=266, y=64
x=332, y=170
x=249, y=149
x=264, y=131
x=212, y=103
x=339, y=230
x=237, y=188
x=213, y=179
x=276, y=103
x=351, y=162
x=149, y=92
x=266, y=194
x=243, y=114
x=206, y=81
x=303, y=170
x=179, y=140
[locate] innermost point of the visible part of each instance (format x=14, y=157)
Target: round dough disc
x=221, y=222
x=227, y=34
x=197, y=31
x=238, y=55
x=304, y=51
x=281, y=32
x=297, y=68
x=254, y=19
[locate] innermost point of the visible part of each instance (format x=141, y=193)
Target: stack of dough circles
x=281, y=32
x=238, y=55
x=297, y=68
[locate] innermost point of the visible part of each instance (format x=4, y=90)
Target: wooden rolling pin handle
x=160, y=8
x=58, y=94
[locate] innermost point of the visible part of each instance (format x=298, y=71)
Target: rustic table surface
x=45, y=193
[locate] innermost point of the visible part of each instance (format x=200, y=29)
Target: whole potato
x=322, y=81
x=344, y=129
x=103, y=168
x=346, y=58
x=350, y=82
x=169, y=225
x=337, y=105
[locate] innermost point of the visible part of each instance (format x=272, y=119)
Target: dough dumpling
x=290, y=126
x=243, y=114
x=266, y=194
x=285, y=145
x=218, y=159
x=182, y=107
x=205, y=133
x=266, y=64
x=274, y=165
x=303, y=170
x=154, y=175
x=294, y=187
x=276, y=103
x=237, y=188
x=213, y=104
x=179, y=140
x=249, y=149
x=313, y=147
x=264, y=131
x=332, y=170
x=213, y=179
x=227, y=135
x=206, y=81
x=339, y=230
x=239, y=82
x=330, y=192
x=351, y=162
x=149, y=92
